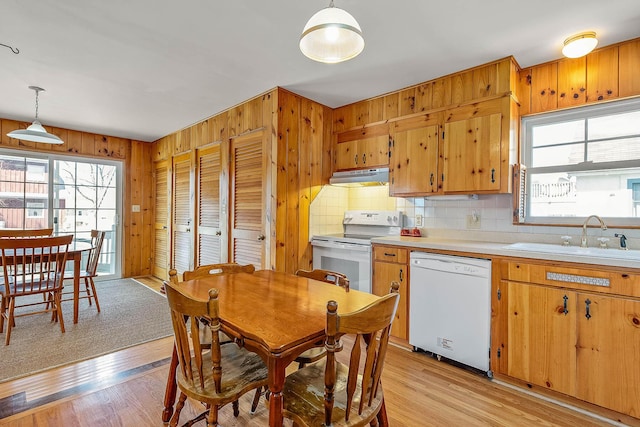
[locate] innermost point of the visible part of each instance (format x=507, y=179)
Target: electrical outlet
x=473, y=220
x=418, y=220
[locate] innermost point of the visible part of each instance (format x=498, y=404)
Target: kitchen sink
x=611, y=253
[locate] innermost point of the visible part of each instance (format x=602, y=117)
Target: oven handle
x=341, y=245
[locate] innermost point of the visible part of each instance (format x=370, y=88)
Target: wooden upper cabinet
x=629, y=66
x=544, y=87
x=472, y=154
x=602, y=74
x=572, y=82
x=362, y=148
x=414, y=160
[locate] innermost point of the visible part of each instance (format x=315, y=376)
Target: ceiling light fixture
x=331, y=35
x=35, y=132
x=580, y=44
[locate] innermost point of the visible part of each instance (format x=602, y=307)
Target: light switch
x=135, y=208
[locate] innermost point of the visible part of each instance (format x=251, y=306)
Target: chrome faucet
x=583, y=241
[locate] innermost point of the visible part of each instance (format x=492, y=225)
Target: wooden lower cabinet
x=608, y=352
x=541, y=337
x=391, y=264
x=578, y=339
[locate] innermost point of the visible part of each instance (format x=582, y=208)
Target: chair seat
x=241, y=370
x=311, y=355
x=304, y=397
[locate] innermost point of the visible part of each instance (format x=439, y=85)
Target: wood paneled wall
x=300, y=150
x=474, y=84
x=137, y=179
x=603, y=75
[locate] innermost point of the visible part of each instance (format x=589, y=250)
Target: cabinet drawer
x=388, y=254
x=598, y=279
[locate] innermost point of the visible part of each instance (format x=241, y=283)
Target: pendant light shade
x=35, y=132
x=579, y=45
x=332, y=35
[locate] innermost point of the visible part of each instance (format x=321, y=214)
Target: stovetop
x=361, y=226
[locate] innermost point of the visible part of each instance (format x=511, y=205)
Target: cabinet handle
x=364, y=159
x=431, y=180
x=401, y=275
x=355, y=159
x=587, y=304
x=493, y=175
x=388, y=254
x=565, y=298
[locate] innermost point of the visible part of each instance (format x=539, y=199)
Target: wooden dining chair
x=314, y=354
x=213, y=269
x=213, y=374
x=32, y=266
x=200, y=272
x=90, y=270
x=352, y=393
x=34, y=232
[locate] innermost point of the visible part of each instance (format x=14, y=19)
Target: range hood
x=378, y=176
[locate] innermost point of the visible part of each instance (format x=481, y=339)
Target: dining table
x=274, y=314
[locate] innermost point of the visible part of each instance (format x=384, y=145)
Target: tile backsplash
x=447, y=218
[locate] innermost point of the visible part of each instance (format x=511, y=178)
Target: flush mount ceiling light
x=332, y=35
x=580, y=44
x=35, y=132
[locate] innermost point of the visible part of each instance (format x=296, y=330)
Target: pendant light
x=580, y=44
x=35, y=132
x=332, y=35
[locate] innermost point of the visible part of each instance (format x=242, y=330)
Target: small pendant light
x=35, y=132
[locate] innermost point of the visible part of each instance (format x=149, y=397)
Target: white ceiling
x=142, y=69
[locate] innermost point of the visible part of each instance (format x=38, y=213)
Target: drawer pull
x=388, y=254
x=565, y=298
x=587, y=304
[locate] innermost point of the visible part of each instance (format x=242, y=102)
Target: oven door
x=352, y=260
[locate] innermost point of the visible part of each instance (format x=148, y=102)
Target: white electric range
x=350, y=252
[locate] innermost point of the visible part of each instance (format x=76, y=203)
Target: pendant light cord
x=37, y=93
x=13, y=49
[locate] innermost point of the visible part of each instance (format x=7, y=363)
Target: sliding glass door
x=72, y=195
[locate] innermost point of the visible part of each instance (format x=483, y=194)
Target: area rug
x=131, y=314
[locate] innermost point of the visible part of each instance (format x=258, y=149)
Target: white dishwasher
x=450, y=307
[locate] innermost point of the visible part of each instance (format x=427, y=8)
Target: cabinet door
x=346, y=156
x=472, y=154
x=608, y=352
x=373, y=152
x=541, y=336
x=383, y=274
x=413, y=166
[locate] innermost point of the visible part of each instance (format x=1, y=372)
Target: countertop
x=481, y=249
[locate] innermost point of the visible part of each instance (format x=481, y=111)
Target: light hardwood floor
x=127, y=389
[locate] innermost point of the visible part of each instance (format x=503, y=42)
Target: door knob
x=218, y=233
x=261, y=237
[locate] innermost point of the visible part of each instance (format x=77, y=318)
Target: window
x=581, y=162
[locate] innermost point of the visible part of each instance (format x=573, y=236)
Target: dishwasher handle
x=457, y=265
